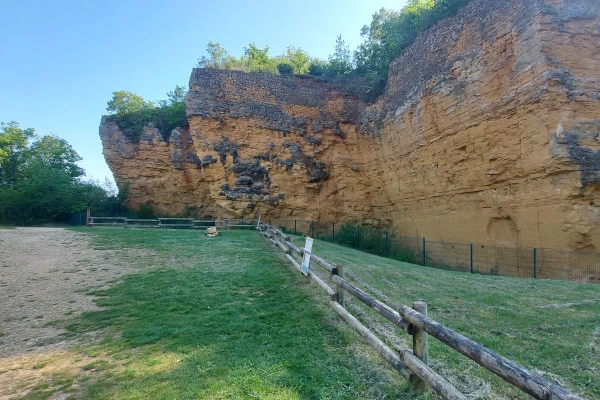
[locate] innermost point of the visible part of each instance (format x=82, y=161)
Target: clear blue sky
x=61, y=60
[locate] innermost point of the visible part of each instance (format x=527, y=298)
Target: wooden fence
x=179, y=223
x=414, y=321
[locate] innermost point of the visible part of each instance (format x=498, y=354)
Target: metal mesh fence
x=475, y=258
x=78, y=219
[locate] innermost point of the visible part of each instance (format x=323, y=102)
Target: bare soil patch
x=45, y=274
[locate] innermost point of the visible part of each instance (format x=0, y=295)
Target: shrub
x=285, y=69
x=169, y=115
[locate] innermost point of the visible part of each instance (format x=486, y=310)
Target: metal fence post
x=295, y=227
x=358, y=237
x=333, y=232
x=534, y=262
x=387, y=244
x=424, y=259
x=312, y=229
x=471, y=258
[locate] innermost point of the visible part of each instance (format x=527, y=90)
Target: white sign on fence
x=307, y=253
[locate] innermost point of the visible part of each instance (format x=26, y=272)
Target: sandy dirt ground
x=45, y=274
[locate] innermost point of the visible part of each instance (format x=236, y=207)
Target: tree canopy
x=385, y=38
x=132, y=113
x=124, y=102
x=391, y=32
x=40, y=180
x=293, y=61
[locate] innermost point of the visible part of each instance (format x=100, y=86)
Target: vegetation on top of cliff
x=363, y=72
x=392, y=32
x=293, y=61
x=40, y=180
x=132, y=113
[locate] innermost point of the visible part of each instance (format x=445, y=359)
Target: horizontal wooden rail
x=508, y=370
x=107, y=224
x=283, y=235
x=381, y=308
x=332, y=293
x=407, y=363
x=282, y=246
x=387, y=353
x=293, y=247
x=322, y=263
x=430, y=377
x=170, y=222
x=175, y=225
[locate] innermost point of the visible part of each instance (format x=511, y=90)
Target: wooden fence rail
x=180, y=223
x=414, y=321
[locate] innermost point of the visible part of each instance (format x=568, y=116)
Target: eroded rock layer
x=487, y=132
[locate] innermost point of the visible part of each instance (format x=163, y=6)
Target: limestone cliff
x=487, y=132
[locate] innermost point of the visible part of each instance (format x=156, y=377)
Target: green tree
x=391, y=32
x=285, y=69
x=340, y=62
x=298, y=59
x=40, y=179
x=177, y=95
x=53, y=153
x=174, y=97
x=256, y=59
x=218, y=57
x=318, y=67
x=124, y=102
x=169, y=114
x=13, y=143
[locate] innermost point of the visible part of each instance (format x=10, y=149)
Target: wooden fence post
x=340, y=291
x=421, y=342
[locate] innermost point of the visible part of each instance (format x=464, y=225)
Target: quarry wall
x=487, y=132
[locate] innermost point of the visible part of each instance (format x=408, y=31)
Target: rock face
x=487, y=132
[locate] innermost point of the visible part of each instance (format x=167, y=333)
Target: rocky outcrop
x=487, y=132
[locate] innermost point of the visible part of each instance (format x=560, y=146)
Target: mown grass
x=550, y=327
x=216, y=318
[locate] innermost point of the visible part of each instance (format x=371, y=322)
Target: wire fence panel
x=323, y=231
x=475, y=258
x=494, y=260
x=568, y=265
x=286, y=226
x=446, y=255
x=407, y=249
x=78, y=219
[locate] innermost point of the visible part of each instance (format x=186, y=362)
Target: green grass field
x=225, y=317
x=218, y=318
x=549, y=327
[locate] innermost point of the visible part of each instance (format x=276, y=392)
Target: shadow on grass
x=233, y=323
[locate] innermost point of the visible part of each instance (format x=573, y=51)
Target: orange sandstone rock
x=488, y=132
